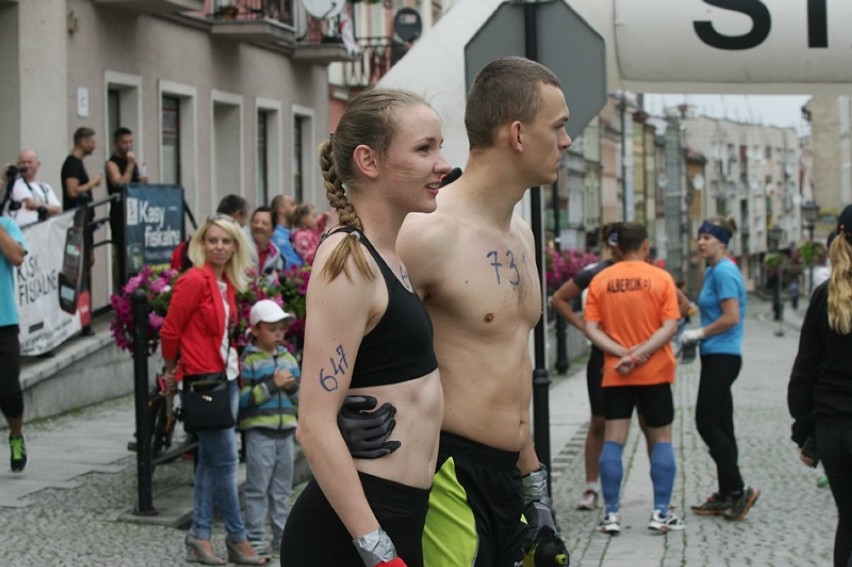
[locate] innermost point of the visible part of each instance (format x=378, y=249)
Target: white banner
x=44, y=324
x=734, y=41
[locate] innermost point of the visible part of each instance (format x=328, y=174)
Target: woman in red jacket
x=196, y=341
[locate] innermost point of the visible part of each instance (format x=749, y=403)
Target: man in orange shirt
x=631, y=314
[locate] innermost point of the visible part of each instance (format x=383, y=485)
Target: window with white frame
x=268, y=156
x=123, y=108
x=227, y=145
x=302, y=155
x=178, y=144
x=170, y=169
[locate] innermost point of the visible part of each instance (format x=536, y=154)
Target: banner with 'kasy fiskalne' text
x=47, y=284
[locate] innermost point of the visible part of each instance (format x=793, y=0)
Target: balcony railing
x=280, y=11
x=378, y=55
x=258, y=21
x=154, y=6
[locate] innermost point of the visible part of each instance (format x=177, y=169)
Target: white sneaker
x=663, y=524
x=589, y=500
x=610, y=523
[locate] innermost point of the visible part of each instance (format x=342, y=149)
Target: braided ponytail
x=336, y=195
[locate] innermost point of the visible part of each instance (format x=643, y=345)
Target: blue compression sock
x=663, y=471
x=611, y=472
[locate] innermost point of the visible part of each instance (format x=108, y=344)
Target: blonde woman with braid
x=819, y=395
x=368, y=335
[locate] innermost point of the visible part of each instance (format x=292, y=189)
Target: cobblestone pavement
x=792, y=524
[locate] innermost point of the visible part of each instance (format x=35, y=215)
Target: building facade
x=222, y=97
x=751, y=176
x=828, y=169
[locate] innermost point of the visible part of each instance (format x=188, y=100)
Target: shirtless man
x=473, y=260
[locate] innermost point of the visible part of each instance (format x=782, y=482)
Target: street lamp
x=810, y=214
x=773, y=241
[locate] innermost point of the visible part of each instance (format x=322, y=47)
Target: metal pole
x=811, y=269
x=562, y=362
x=780, y=331
x=540, y=378
x=624, y=216
x=88, y=255
x=144, y=469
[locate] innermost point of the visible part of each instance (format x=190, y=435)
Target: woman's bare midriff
x=419, y=404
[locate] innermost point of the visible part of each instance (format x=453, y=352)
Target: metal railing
x=378, y=55
x=242, y=10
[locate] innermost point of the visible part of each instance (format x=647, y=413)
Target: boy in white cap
x=268, y=406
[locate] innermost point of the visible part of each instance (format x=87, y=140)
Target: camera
x=11, y=175
x=13, y=171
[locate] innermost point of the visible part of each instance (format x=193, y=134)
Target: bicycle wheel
x=162, y=422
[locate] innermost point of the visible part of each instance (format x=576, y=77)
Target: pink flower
x=157, y=285
x=288, y=291
x=132, y=284
x=155, y=321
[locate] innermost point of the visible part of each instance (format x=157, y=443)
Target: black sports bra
x=399, y=348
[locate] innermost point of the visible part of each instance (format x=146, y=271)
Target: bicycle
x=163, y=417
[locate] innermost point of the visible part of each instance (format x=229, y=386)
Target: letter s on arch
x=754, y=9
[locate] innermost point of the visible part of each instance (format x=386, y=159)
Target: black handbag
x=207, y=402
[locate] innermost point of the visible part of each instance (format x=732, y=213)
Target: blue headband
x=714, y=230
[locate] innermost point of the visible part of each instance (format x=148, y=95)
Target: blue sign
x=153, y=227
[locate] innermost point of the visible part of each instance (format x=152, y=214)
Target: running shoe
x=740, y=506
x=589, y=501
x=687, y=352
x=715, y=505
x=18, y=448
x=667, y=523
x=610, y=523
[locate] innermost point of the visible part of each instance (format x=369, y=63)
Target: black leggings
x=314, y=534
x=834, y=446
x=11, y=397
x=714, y=416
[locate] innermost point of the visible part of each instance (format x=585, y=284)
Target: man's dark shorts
x=654, y=402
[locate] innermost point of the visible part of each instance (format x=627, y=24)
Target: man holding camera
x=37, y=200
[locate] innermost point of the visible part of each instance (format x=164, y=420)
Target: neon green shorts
x=475, y=507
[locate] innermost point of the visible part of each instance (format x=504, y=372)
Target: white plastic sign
x=735, y=41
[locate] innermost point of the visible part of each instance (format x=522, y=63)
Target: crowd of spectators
x=284, y=234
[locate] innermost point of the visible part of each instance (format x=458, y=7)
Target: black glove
x=540, y=521
x=543, y=547
x=537, y=507
x=366, y=432
x=548, y=550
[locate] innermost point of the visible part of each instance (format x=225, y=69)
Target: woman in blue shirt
x=722, y=304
